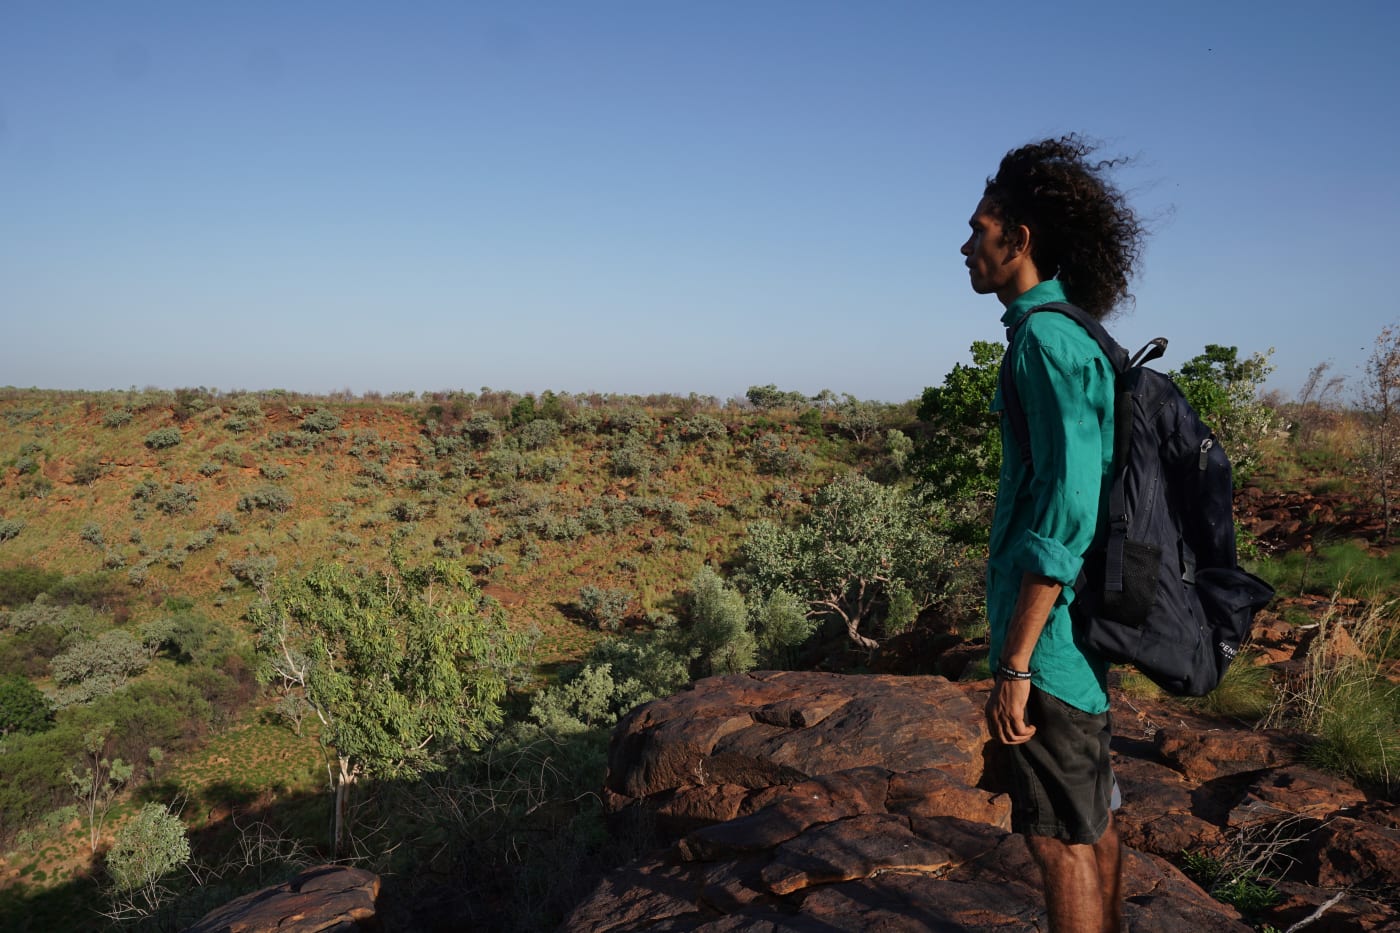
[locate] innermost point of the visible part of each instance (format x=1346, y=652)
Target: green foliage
x=858, y=419
x=179, y=499
x=481, y=428
x=399, y=667
x=861, y=546
x=1348, y=568
x=1246, y=691
x=320, y=421
x=523, y=411
x=116, y=418
x=23, y=707
x=163, y=438
x=148, y=847
x=605, y=608
x=1345, y=696
x=10, y=528
x=632, y=457
x=770, y=396
x=770, y=455
x=781, y=623
x=266, y=496
x=87, y=471
x=23, y=583
x=182, y=636
x=719, y=626
x=97, y=783
x=114, y=654
x=539, y=432
x=254, y=570
x=92, y=534
x=1240, y=888
x=701, y=427
x=960, y=454
x=1224, y=391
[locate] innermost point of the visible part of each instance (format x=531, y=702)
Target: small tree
x=1224, y=390
x=864, y=550
x=399, y=667
x=719, y=626
x=23, y=707
x=858, y=419
x=1380, y=400
x=147, y=849
x=961, y=453
x=97, y=784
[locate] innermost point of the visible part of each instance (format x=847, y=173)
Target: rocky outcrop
x=713, y=752
x=326, y=899
x=804, y=801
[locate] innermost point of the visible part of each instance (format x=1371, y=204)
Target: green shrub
x=163, y=438
x=23, y=707
x=1246, y=692
x=10, y=528
x=254, y=570
x=770, y=455
x=92, y=534
x=605, y=608
x=179, y=499
x=273, y=471
x=210, y=468
x=540, y=432
x=146, y=849
x=701, y=427
x=267, y=496
x=116, y=418
x=632, y=457
x=87, y=471
x=719, y=626
x=114, y=653
x=23, y=583
x=321, y=421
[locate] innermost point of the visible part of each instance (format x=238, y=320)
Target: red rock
x=319, y=900
x=1204, y=756
x=773, y=727
x=1346, y=852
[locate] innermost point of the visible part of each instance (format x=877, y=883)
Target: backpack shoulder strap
x=1011, y=399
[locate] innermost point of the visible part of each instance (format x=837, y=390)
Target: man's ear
x=1020, y=241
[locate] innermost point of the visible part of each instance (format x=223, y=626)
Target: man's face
x=991, y=259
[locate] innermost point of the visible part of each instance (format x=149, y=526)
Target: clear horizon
x=638, y=198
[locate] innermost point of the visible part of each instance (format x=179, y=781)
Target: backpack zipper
x=1206, y=445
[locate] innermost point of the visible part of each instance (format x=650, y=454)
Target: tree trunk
x=340, y=807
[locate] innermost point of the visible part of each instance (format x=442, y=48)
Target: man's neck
x=1025, y=280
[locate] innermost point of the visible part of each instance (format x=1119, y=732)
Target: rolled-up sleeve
x=1066, y=438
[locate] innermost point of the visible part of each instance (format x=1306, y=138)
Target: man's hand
x=1006, y=712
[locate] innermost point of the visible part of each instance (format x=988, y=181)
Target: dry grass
x=1346, y=696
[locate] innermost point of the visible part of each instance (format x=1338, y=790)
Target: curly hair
x=1082, y=230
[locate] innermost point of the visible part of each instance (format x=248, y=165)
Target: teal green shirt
x=1045, y=519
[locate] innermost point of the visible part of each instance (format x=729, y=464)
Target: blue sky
x=660, y=196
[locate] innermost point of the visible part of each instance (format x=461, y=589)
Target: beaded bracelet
x=1006, y=673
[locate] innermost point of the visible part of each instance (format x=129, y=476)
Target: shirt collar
x=1042, y=294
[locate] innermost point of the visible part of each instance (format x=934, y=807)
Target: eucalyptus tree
x=398, y=666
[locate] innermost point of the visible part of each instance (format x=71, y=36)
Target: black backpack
x=1161, y=588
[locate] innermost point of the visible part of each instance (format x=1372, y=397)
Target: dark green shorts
x=1060, y=781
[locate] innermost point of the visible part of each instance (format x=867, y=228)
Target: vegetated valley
x=243, y=633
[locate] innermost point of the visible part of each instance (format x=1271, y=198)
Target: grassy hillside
x=209, y=497
x=152, y=521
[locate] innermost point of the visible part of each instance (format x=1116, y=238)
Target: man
x=1049, y=228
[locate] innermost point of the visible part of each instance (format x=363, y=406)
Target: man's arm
x=1006, y=707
